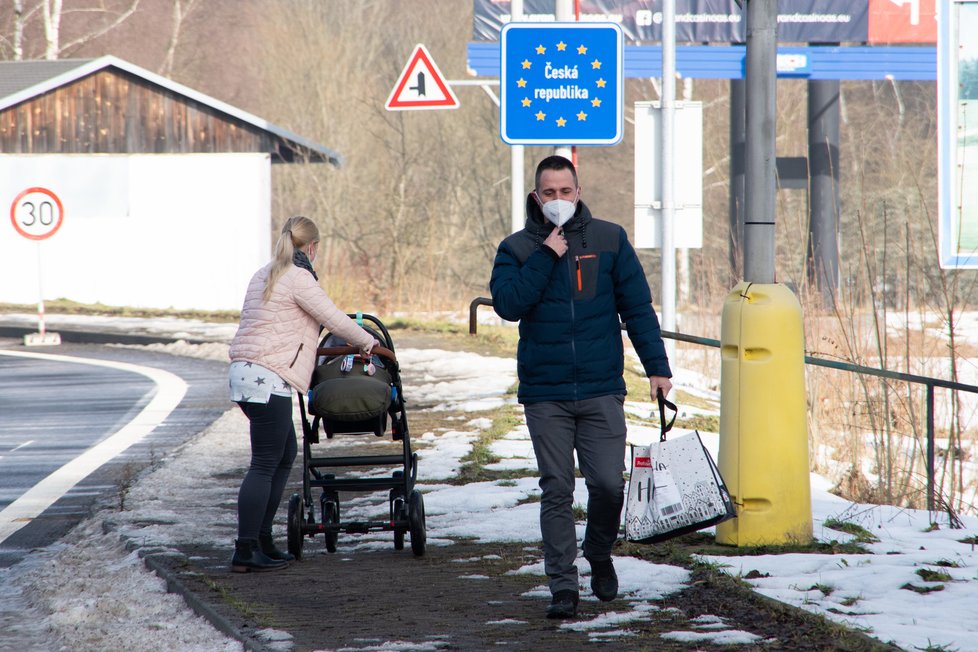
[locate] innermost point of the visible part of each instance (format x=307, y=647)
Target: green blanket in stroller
x=350, y=388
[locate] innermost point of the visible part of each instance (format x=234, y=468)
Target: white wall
x=153, y=230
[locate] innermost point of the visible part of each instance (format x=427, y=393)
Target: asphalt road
x=52, y=412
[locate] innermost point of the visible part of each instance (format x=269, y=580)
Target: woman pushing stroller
x=274, y=351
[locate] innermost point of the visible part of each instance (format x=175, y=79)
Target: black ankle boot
x=604, y=580
x=248, y=557
x=268, y=547
x=563, y=604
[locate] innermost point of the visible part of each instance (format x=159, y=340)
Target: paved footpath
x=459, y=595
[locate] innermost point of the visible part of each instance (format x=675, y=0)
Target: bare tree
x=46, y=22
x=181, y=9
x=51, y=13
x=18, y=37
x=409, y=218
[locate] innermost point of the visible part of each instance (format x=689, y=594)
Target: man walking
x=568, y=278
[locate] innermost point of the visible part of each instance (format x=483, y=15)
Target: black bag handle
x=663, y=404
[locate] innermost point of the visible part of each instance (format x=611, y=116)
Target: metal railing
x=927, y=381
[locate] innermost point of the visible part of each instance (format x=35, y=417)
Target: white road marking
x=19, y=446
x=170, y=390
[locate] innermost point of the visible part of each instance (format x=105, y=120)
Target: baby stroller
x=351, y=395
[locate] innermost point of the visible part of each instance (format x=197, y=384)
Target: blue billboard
x=697, y=21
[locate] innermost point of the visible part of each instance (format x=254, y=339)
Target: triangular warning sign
x=421, y=85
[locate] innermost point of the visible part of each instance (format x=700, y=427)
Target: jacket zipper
x=577, y=262
x=301, y=344
x=573, y=331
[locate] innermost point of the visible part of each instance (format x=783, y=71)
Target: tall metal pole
x=760, y=159
x=823, y=167
x=763, y=406
x=738, y=138
x=668, y=288
x=516, y=152
x=564, y=13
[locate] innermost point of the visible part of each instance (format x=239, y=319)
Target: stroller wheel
x=398, y=516
x=417, y=524
x=331, y=516
x=294, y=526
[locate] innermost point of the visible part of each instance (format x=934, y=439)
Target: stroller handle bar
x=383, y=352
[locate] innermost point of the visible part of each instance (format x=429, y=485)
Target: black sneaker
x=563, y=605
x=604, y=580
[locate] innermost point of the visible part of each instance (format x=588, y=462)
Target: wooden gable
x=114, y=110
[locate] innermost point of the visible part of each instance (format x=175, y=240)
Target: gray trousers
x=595, y=428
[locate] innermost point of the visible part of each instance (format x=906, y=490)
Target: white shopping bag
x=675, y=488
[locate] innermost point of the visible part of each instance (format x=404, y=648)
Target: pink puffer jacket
x=282, y=335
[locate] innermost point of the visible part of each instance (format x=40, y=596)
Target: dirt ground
x=463, y=597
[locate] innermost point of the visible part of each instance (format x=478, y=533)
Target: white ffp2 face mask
x=559, y=211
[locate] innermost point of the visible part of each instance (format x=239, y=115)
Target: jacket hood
x=537, y=222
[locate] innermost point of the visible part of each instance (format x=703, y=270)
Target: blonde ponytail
x=297, y=232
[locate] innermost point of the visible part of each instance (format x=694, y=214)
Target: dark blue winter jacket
x=570, y=344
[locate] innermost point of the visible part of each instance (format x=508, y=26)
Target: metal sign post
x=37, y=214
x=517, y=153
x=667, y=142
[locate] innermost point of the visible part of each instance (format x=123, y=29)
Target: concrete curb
x=153, y=561
x=153, y=558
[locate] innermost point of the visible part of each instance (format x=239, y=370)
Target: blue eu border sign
x=561, y=84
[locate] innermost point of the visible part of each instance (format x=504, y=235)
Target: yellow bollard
x=763, y=454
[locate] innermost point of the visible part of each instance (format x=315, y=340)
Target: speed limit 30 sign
x=37, y=213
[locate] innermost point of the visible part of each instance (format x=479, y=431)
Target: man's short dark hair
x=555, y=163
